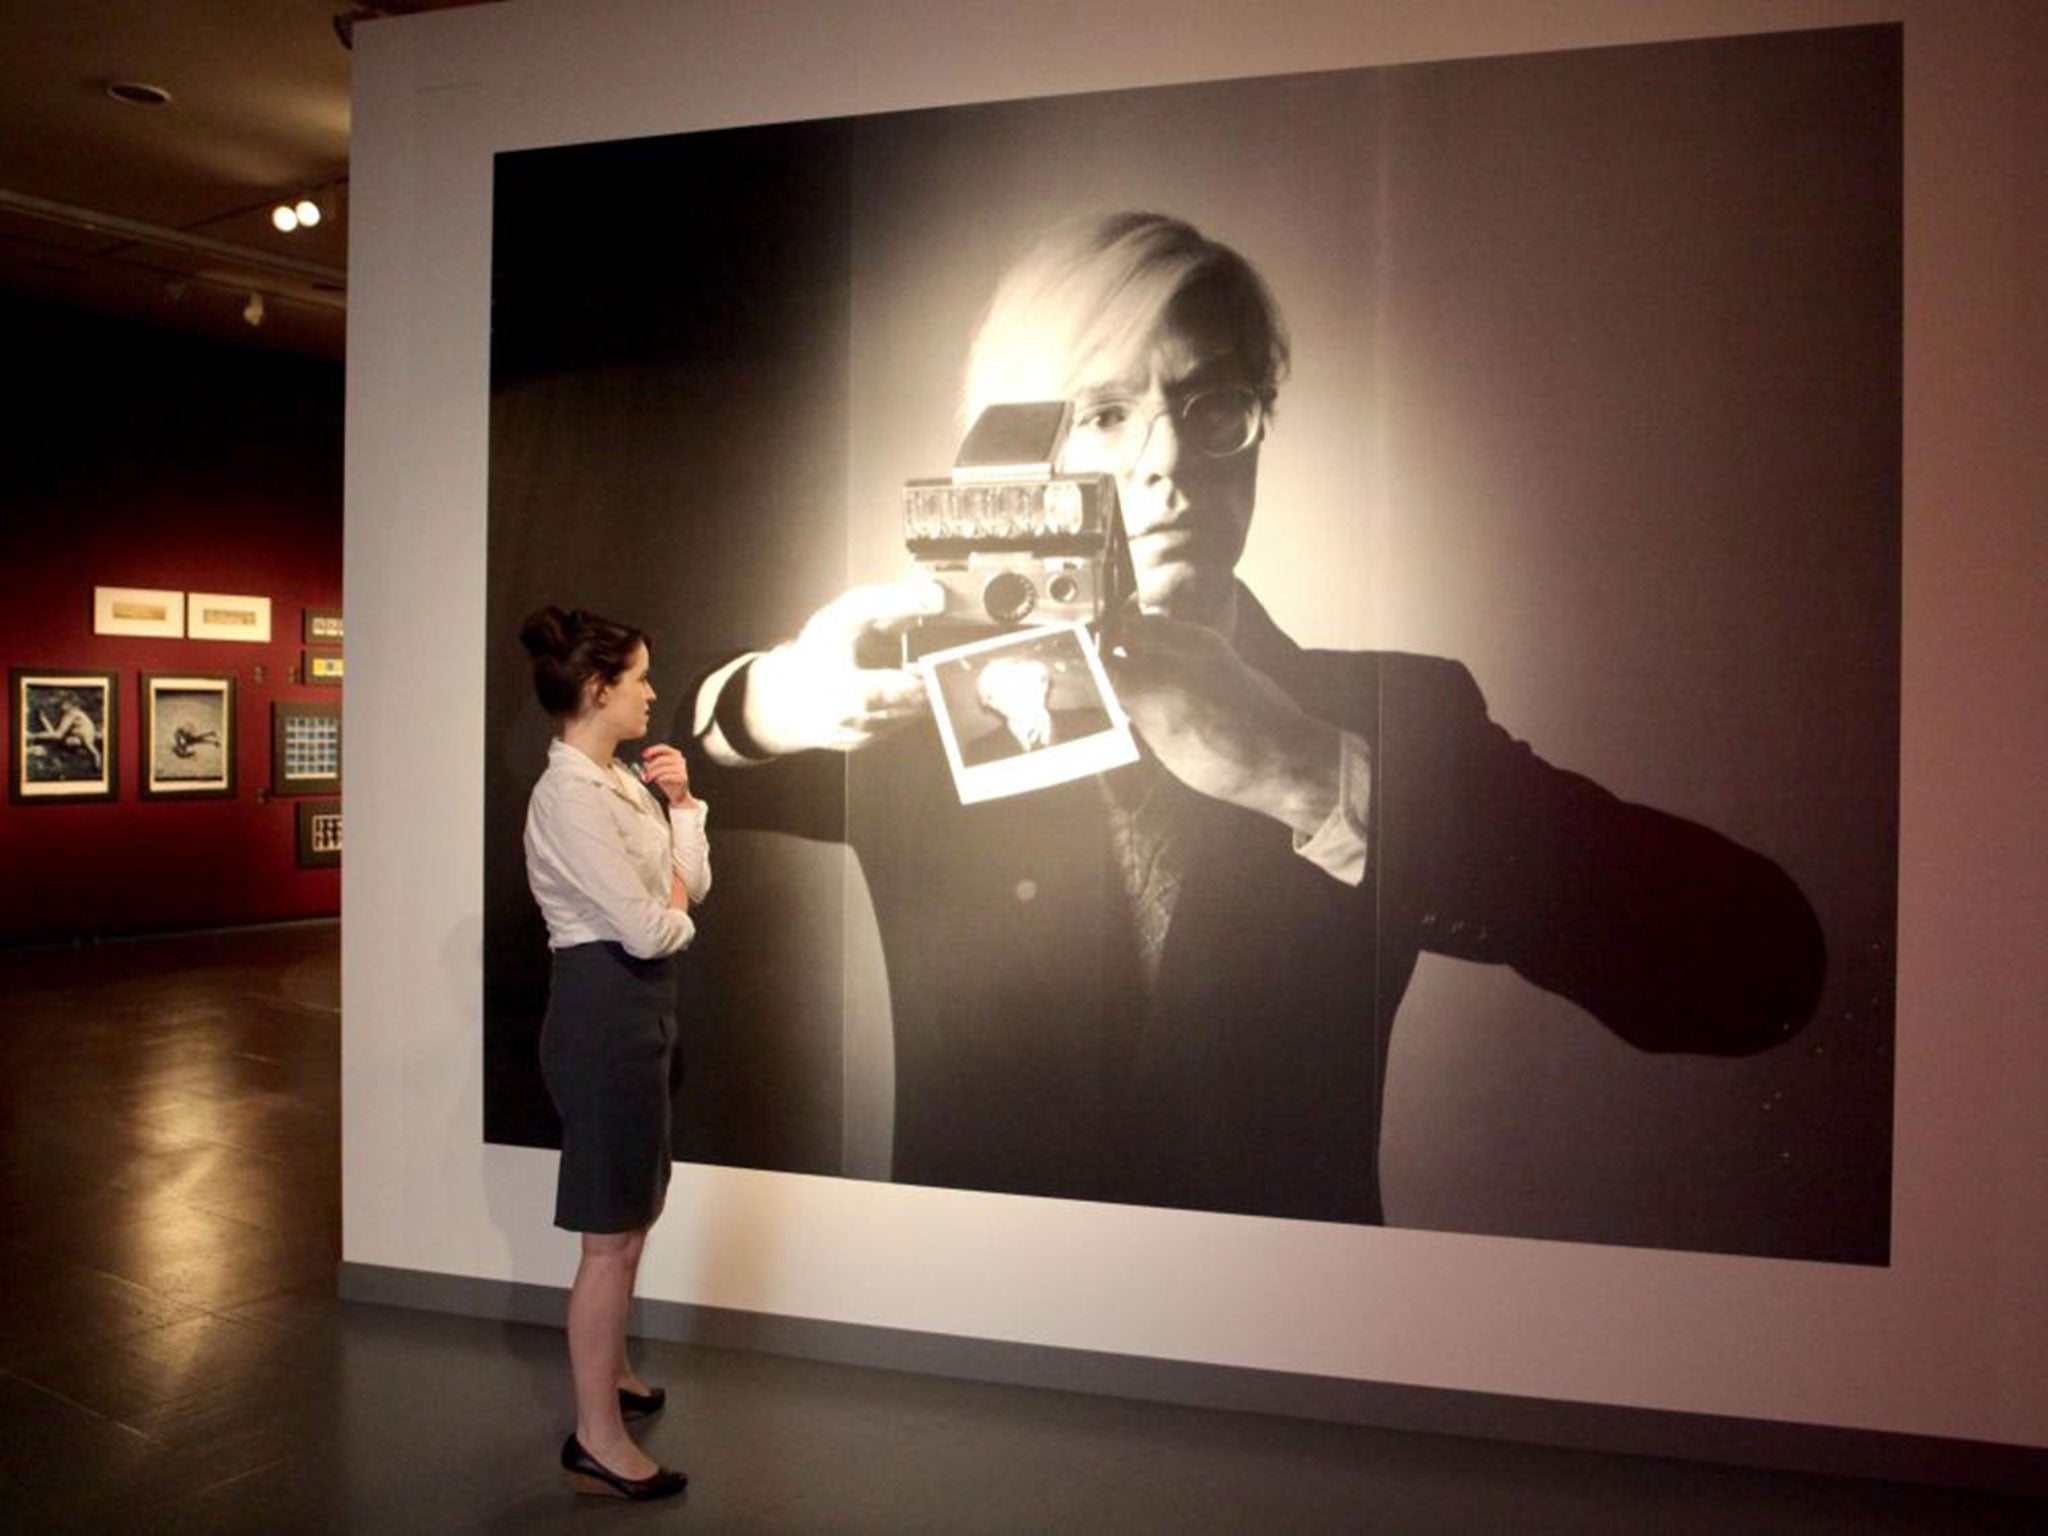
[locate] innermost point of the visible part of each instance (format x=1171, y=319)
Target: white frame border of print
x=217, y=786
x=254, y=629
x=107, y=618
x=106, y=785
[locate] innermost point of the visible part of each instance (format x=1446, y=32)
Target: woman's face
x=624, y=706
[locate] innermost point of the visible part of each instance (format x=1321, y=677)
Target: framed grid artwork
x=321, y=668
x=188, y=736
x=319, y=833
x=323, y=626
x=65, y=735
x=305, y=749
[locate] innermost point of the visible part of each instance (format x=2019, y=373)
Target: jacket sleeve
x=1672, y=935
x=803, y=794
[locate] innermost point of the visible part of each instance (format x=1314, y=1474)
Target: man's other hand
x=1219, y=726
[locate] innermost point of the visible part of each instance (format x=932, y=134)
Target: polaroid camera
x=1013, y=542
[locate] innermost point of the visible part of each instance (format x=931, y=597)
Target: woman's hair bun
x=548, y=632
x=571, y=648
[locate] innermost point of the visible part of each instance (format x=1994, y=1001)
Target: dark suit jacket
x=1029, y=1060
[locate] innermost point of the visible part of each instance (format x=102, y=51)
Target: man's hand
x=812, y=693
x=1220, y=727
x=663, y=767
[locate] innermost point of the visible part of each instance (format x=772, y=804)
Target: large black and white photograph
x=1497, y=463
x=64, y=726
x=188, y=739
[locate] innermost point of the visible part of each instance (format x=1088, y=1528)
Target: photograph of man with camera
x=1474, y=521
x=1192, y=1006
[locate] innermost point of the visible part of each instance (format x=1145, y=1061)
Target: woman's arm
x=663, y=767
x=587, y=879
x=690, y=854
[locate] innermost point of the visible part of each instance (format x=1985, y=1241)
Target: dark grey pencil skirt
x=607, y=1048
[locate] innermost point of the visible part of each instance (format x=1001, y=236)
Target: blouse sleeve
x=690, y=849
x=575, y=843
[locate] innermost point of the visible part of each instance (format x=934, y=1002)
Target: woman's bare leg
x=598, y=1303
x=629, y=1378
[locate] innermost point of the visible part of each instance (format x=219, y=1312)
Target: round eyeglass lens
x=1221, y=421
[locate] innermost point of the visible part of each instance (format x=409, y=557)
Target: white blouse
x=600, y=857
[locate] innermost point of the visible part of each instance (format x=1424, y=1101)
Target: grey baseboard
x=1992, y=1467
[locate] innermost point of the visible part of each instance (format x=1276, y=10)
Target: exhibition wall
x=147, y=460
x=1940, y=1338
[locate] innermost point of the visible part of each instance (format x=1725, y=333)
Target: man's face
x=1185, y=513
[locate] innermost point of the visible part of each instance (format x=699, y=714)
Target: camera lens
x=1008, y=597
x=1063, y=589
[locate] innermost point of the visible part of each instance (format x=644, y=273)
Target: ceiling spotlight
x=252, y=311
x=303, y=214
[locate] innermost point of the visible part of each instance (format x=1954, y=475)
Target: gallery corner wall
x=144, y=458
x=1944, y=1340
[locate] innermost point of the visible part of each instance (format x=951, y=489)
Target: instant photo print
x=1025, y=709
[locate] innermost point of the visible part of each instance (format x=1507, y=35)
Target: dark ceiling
x=161, y=213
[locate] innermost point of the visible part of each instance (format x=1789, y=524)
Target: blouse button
x=1027, y=890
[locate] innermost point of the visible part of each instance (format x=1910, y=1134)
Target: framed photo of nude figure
x=64, y=735
x=188, y=736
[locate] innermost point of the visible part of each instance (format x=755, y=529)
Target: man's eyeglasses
x=1218, y=421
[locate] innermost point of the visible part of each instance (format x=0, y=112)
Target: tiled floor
x=172, y=1357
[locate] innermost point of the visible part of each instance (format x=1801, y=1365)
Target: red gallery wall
x=135, y=457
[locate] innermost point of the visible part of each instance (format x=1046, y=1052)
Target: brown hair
x=569, y=649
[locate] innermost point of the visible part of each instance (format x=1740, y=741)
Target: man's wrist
x=1341, y=844
x=1302, y=786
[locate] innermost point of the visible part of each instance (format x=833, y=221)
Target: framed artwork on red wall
x=65, y=735
x=138, y=611
x=188, y=736
x=319, y=833
x=305, y=749
x=219, y=616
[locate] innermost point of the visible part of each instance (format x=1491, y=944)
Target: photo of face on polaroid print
x=1026, y=709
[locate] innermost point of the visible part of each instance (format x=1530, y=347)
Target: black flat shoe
x=638, y=1405
x=584, y=1473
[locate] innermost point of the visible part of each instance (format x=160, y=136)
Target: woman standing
x=615, y=862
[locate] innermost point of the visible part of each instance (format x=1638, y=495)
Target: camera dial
x=1009, y=596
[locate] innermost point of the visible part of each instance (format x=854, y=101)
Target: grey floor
x=173, y=1358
